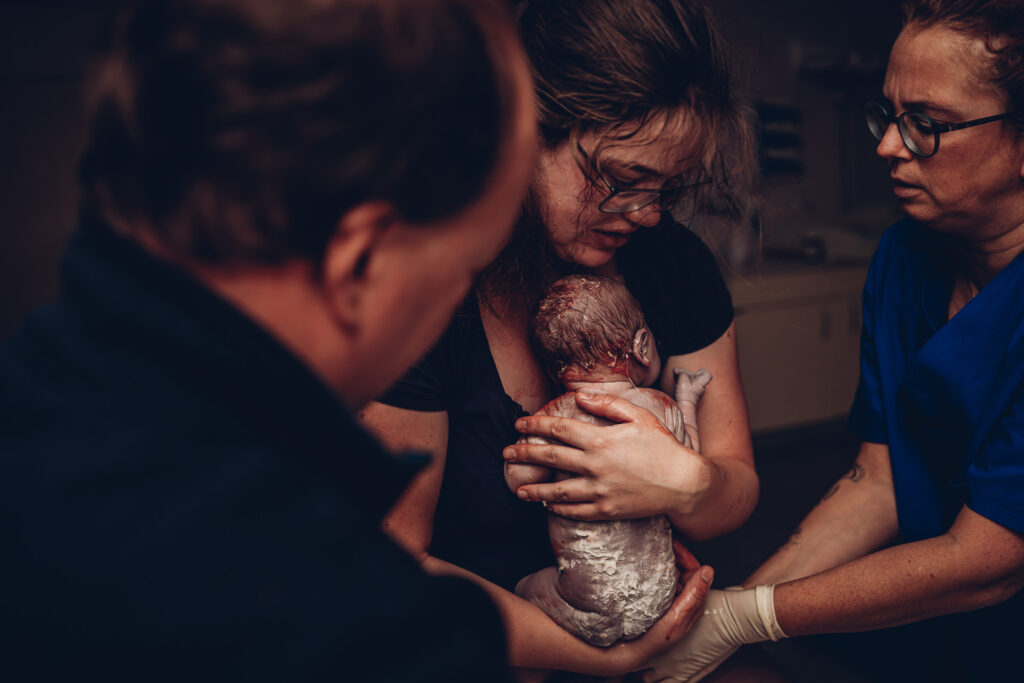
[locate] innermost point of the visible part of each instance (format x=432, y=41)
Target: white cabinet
x=798, y=331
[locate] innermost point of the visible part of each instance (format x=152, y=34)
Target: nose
x=891, y=145
x=647, y=217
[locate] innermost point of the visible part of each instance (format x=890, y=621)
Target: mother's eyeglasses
x=627, y=199
x=919, y=132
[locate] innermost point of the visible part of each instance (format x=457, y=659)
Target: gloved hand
x=732, y=617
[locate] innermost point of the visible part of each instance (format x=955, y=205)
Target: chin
x=934, y=222
x=588, y=257
x=925, y=213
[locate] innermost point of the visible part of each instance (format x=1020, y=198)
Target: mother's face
x=666, y=148
x=974, y=185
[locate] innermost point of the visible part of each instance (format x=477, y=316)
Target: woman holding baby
x=635, y=104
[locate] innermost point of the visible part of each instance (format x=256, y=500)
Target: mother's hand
x=634, y=468
x=667, y=632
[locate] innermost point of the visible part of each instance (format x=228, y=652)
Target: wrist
x=617, y=660
x=764, y=598
x=695, y=488
x=753, y=614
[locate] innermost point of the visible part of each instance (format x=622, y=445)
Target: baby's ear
x=642, y=347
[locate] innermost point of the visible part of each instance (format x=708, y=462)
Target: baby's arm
x=520, y=474
x=690, y=387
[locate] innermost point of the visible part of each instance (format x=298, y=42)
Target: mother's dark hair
x=241, y=131
x=1000, y=23
x=608, y=67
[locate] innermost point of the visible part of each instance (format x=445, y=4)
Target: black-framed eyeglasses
x=627, y=199
x=919, y=132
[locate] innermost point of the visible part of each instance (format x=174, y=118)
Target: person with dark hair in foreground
x=940, y=405
x=284, y=201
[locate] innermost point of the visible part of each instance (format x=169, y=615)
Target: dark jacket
x=181, y=498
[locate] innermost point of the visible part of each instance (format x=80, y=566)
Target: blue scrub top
x=947, y=397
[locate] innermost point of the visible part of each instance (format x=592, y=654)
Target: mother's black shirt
x=479, y=523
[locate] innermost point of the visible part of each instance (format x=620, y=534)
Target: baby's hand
x=690, y=386
x=521, y=474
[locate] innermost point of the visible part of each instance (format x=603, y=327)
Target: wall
x=43, y=49
x=823, y=59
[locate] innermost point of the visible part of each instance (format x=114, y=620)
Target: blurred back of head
x=240, y=131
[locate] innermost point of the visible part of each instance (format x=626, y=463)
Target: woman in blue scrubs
x=929, y=521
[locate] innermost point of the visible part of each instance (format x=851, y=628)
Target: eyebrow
x=928, y=106
x=640, y=168
x=937, y=109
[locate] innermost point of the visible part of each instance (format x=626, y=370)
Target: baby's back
x=658, y=402
x=618, y=577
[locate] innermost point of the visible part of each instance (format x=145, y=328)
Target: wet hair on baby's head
x=585, y=320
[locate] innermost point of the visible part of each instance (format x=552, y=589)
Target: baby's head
x=589, y=327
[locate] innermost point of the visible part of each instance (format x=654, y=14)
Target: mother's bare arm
x=410, y=523
x=732, y=485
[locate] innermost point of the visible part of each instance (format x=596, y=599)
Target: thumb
x=684, y=558
x=608, y=406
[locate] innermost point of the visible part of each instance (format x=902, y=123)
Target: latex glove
x=732, y=618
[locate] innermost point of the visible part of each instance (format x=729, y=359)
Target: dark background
x=813, y=62
x=808, y=66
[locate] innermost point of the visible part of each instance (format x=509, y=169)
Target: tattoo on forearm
x=856, y=473
x=794, y=539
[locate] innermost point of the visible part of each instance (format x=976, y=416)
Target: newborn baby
x=615, y=578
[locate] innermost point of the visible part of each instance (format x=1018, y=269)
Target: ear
x=1021, y=148
x=642, y=347
x=1020, y=151
x=356, y=241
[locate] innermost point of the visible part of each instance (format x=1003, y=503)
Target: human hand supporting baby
x=732, y=617
x=633, y=468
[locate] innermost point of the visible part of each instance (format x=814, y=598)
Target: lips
x=610, y=240
x=903, y=189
